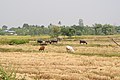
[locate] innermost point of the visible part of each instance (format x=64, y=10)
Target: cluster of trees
x=56, y=30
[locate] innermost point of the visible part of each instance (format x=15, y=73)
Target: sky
x=14, y=13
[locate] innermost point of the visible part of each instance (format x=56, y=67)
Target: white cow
x=70, y=49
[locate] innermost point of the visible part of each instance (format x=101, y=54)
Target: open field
x=98, y=60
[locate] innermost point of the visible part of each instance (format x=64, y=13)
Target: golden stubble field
x=87, y=63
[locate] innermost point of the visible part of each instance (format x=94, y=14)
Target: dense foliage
x=55, y=30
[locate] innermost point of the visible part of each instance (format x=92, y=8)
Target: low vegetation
x=13, y=41
x=9, y=74
x=100, y=54
x=55, y=30
x=18, y=41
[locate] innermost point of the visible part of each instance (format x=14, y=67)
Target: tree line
x=57, y=30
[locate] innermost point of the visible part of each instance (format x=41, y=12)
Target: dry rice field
x=98, y=60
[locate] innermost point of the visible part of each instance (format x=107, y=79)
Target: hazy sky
x=14, y=13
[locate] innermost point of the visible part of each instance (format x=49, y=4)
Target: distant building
x=81, y=22
x=9, y=32
x=59, y=23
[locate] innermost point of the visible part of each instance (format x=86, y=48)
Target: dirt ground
x=61, y=66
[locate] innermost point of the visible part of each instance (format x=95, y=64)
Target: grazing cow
x=39, y=41
x=70, y=49
x=82, y=41
x=48, y=41
x=54, y=41
x=42, y=48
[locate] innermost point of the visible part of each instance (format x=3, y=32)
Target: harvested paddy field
x=98, y=60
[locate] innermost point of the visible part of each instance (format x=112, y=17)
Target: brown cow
x=42, y=48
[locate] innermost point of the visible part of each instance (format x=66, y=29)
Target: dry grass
x=56, y=64
x=63, y=66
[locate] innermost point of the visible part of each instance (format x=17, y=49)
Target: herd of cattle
x=43, y=43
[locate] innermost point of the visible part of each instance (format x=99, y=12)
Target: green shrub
x=18, y=41
x=13, y=41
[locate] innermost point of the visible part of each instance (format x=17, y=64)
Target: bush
x=13, y=41
x=18, y=41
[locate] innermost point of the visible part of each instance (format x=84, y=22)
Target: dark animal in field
x=39, y=41
x=11, y=44
x=82, y=41
x=42, y=48
x=48, y=41
x=54, y=41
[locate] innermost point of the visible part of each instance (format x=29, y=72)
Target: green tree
x=4, y=27
x=97, y=28
x=25, y=25
x=1, y=32
x=72, y=32
x=65, y=31
x=54, y=31
x=108, y=29
x=117, y=29
x=68, y=31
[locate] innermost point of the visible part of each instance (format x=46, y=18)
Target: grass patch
x=99, y=45
x=102, y=55
x=4, y=75
x=9, y=74
x=88, y=45
x=32, y=38
x=16, y=50
x=13, y=50
x=4, y=41
x=18, y=41
x=13, y=41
